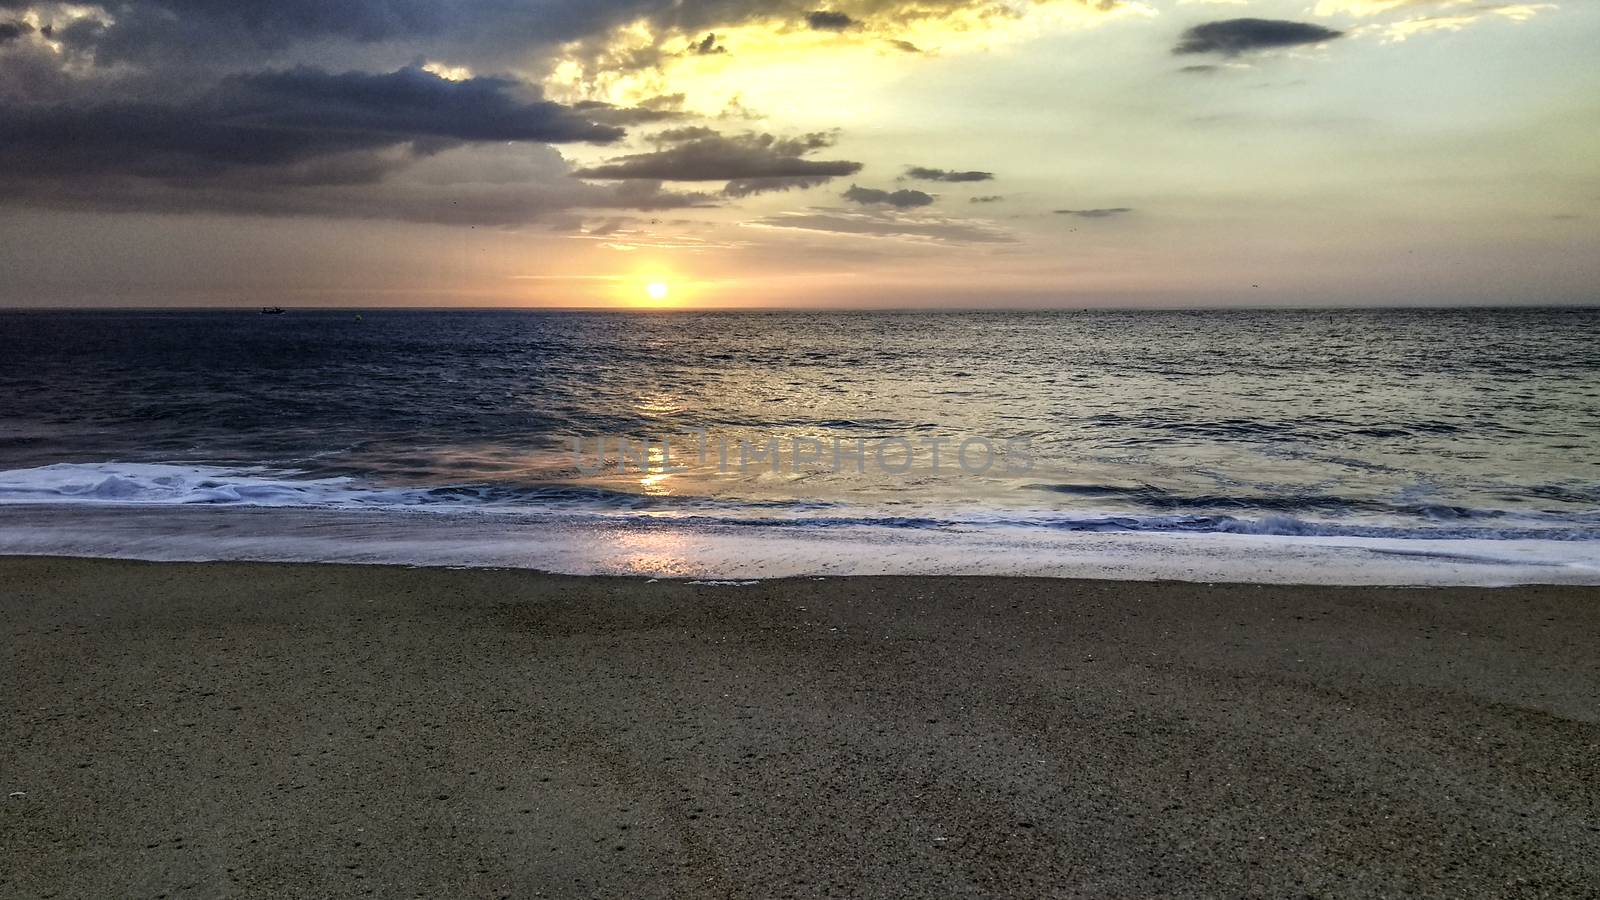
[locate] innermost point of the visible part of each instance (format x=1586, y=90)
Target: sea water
x=1358, y=446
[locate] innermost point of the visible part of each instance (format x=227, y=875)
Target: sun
x=657, y=290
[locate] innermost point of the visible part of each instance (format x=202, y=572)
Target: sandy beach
x=275, y=730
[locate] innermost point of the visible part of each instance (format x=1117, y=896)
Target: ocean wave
x=1155, y=498
x=162, y=484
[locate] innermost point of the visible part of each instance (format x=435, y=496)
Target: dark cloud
x=905, y=199
x=609, y=114
x=699, y=154
x=686, y=133
x=707, y=46
x=828, y=20
x=505, y=184
x=1231, y=37
x=744, y=187
x=173, y=30
x=10, y=31
x=905, y=46
x=1102, y=213
x=306, y=142
x=925, y=174
x=487, y=34
x=990, y=198
x=1201, y=70
x=284, y=118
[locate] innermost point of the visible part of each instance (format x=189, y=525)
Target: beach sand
x=273, y=730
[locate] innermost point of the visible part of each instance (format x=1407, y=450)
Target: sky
x=788, y=153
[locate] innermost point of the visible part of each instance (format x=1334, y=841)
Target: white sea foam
x=175, y=512
x=168, y=484
x=672, y=549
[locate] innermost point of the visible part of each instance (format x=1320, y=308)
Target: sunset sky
x=775, y=153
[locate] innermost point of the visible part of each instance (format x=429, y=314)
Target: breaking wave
x=1153, y=511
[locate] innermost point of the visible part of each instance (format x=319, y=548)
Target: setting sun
x=657, y=290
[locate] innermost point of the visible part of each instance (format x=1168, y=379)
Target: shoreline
x=688, y=548
x=274, y=729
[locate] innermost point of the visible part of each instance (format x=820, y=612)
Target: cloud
x=610, y=114
x=989, y=198
x=684, y=133
x=284, y=118
x=904, y=46
x=1201, y=70
x=700, y=154
x=10, y=31
x=307, y=142
x=306, y=122
x=744, y=187
x=498, y=185
x=827, y=20
x=492, y=34
x=708, y=46
x=1102, y=213
x=1463, y=17
x=887, y=224
x=1232, y=37
x=925, y=174
x=904, y=199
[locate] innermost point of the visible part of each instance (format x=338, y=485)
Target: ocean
x=1358, y=446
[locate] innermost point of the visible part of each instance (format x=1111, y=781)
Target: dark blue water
x=1468, y=423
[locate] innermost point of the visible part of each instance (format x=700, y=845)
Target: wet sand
x=277, y=730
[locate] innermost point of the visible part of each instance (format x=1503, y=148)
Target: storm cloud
x=1232, y=37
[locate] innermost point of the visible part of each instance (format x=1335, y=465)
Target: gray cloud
x=990, y=198
x=280, y=119
x=904, y=46
x=484, y=33
x=904, y=199
x=699, y=154
x=610, y=114
x=1102, y=213
x=684, y=133
x=476, y=185
x=707, y=46
x=828, y=20
x=1231, y=37
x=306, y=142
x=744, y=187
x=10, y=31
x=925, y=174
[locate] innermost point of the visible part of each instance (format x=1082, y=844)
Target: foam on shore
x=669, y=548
